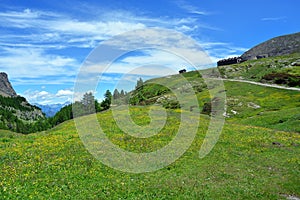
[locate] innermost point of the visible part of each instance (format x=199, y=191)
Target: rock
x=291, y=197
x=234, y=112
x=277, y=144
x=226, y=115
x=277, y=46
x=253, y=105
x=5, y=87
x=297, y=63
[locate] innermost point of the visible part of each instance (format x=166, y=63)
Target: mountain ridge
x=277, y=46
x=51, y=109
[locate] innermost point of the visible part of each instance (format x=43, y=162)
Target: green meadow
x=256, y=156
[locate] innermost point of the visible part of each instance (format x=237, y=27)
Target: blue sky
x=43, y=44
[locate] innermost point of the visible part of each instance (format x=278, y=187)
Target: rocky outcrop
x=5, y=87
x=16, y=114
x=282, y=45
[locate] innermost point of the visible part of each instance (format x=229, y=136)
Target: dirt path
x=262, y=84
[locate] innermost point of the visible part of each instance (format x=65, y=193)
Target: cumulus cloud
x=149, y=47
x=61, y=93
x=44, y=97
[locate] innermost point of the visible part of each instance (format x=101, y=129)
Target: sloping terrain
x=248, y=162
x=256, y=156
x=283, y=70
x=16, y=114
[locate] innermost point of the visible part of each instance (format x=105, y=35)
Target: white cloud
x=34, y=62
x=154, y=52
x=43, y=97
x=64, y=93
x=190, y=8
x=43, y=93
x=59, y=28
x=28, y=53
x=37, y=96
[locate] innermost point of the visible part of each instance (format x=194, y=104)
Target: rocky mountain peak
x=278, y=46
x=5, y=87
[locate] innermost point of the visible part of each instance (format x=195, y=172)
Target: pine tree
x=116, y=94
x=139, y=83
x=105, y=104
x=89, y=102
x=122, y=94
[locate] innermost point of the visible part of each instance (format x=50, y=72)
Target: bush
x=206, y=108
x=282, y=78
x=171, y=104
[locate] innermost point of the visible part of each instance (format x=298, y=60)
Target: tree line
x=87, y=105
x=143, y=94
x=9, y=120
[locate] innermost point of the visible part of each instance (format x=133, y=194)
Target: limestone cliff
x=5, y=87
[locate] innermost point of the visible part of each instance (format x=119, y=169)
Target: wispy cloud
x=35, y=62
x=38, y=27
x=190, y=8
x=36, y=46
x=220, y=50
x=30, y=40
x=273, y=18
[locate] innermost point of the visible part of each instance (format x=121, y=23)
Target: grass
x=279, y=109
x=254, y=70
x=243, y=165
x=256, y=156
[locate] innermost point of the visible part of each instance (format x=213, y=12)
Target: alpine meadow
x=149, y=100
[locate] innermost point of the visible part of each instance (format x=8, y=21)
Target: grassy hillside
x=261, y=106
x=249, y=161
x=246, y=103
x=256, y=156
x=280, y=70
x=245, y=164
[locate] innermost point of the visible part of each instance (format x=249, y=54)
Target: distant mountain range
x=51, y=109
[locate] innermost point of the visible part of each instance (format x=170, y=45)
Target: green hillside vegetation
x=261, y=106
x=18, y=115
x=279, y=70
x=250, y=160
x=256, y=156
x=245, y=164
x=246, y=103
